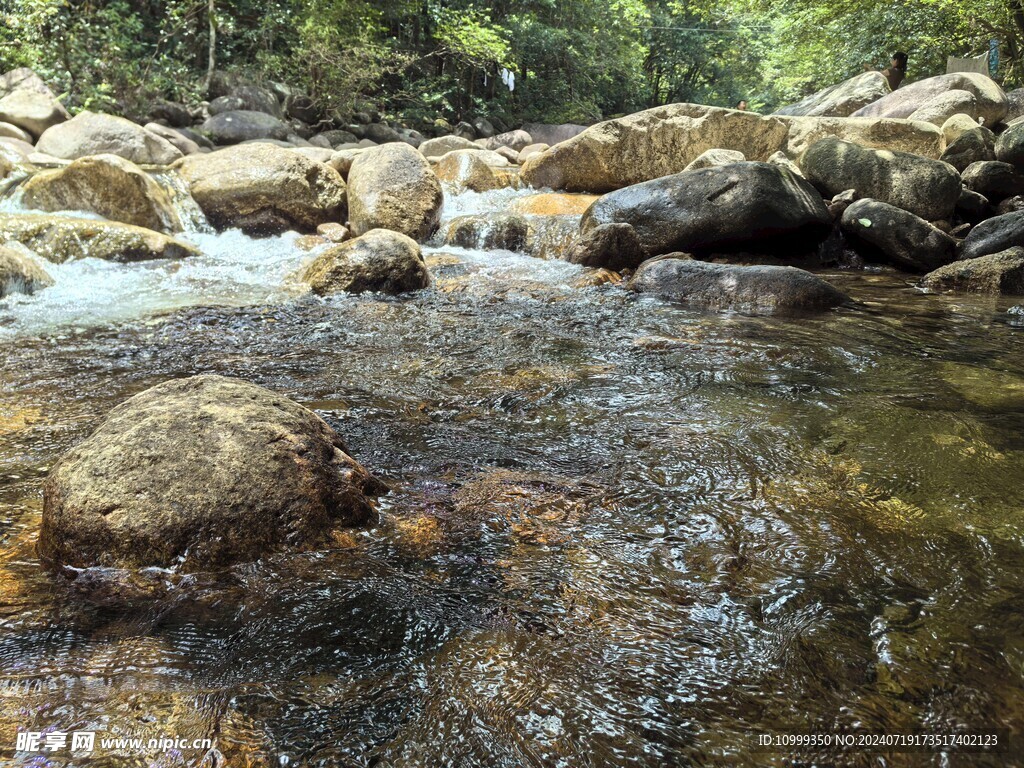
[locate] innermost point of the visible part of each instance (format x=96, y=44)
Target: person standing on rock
x=895, y=72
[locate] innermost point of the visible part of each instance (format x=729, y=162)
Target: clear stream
x=622, y=532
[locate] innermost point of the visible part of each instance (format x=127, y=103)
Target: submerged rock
x=379, y=260
x=20, y=272
x=926, y=188
x=897, y=236
x=107, y=185
x=501, y=231
x=92, y=133
x=63, y=238
x=996, y=274
x=724, y=286
x=651, y=144
x=741, y=206
x=200, y=473
x=264, y=189
x=393, y=187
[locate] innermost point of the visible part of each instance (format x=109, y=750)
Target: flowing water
x=622, y=532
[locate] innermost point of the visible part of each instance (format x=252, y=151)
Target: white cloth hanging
x=508, y=78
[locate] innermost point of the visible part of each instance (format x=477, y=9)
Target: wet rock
x=993, y=179
x=379, y=260
x=926, y=188
x=91, y=133
x=444, y=144
x=611, y=246
x=998, y=274
x=651, y=144
x=503, y=231
x=32, y=110
x=63, y=238
x=741, y=206
x=20, y=271
x=973, y=146
x=898, y=135
x=714, y=158
x=264, y=189
x=938, y=109
x=201, y=473
x=905, y=100
x=393, y=187
x=466, y=169
x=842, y=99
x=176, y=138
x=994, y=235
x=15, y=150
x=171, y=113
x=723, y=286
x=896, y=236
x=515, y=140
x=107, y=185
x=554, y=204
x=236, y=126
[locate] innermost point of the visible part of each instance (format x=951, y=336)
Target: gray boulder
x=237, y=126
x=938, y=109
x=201, y=473
x=896, y=236
x=515, y=140
x=994, y=235
x=927, y=188
x=907, y=99
x=744, y=206
x=171, y=113
x=546, y=133
x=842, y=99
x=716, y=157
x=996, y=181
x=379, y=260
x=724, y=286
x=972, y=146
x=998, y=274
x=91, y=133
x=1009, y=146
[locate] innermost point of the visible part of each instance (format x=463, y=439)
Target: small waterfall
x=191, y=215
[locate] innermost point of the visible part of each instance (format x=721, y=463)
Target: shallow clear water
x=623, y=533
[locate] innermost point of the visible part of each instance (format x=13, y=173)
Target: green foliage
x=416, y=60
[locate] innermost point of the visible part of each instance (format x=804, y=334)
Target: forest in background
x=413, y=61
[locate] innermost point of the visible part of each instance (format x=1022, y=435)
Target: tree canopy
x=573, y=60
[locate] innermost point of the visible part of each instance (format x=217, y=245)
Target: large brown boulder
x=92, y=133
x=726, y=286
x=20, y=272
x=64, y=238
x=393, y=187
x=651, y=144
x=380, y=260
x=927, y=188
x=263, y=189
x=991, y=103
x=201, y=473
x=107, y=185
x=998, y=274
x=914, y=136
x=743, y=206
x=841, y=99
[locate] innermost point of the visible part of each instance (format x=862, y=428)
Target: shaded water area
x=622, y=532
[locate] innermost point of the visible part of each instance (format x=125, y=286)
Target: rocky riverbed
x=593, y=455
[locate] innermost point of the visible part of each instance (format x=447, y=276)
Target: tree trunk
x=211, y=51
